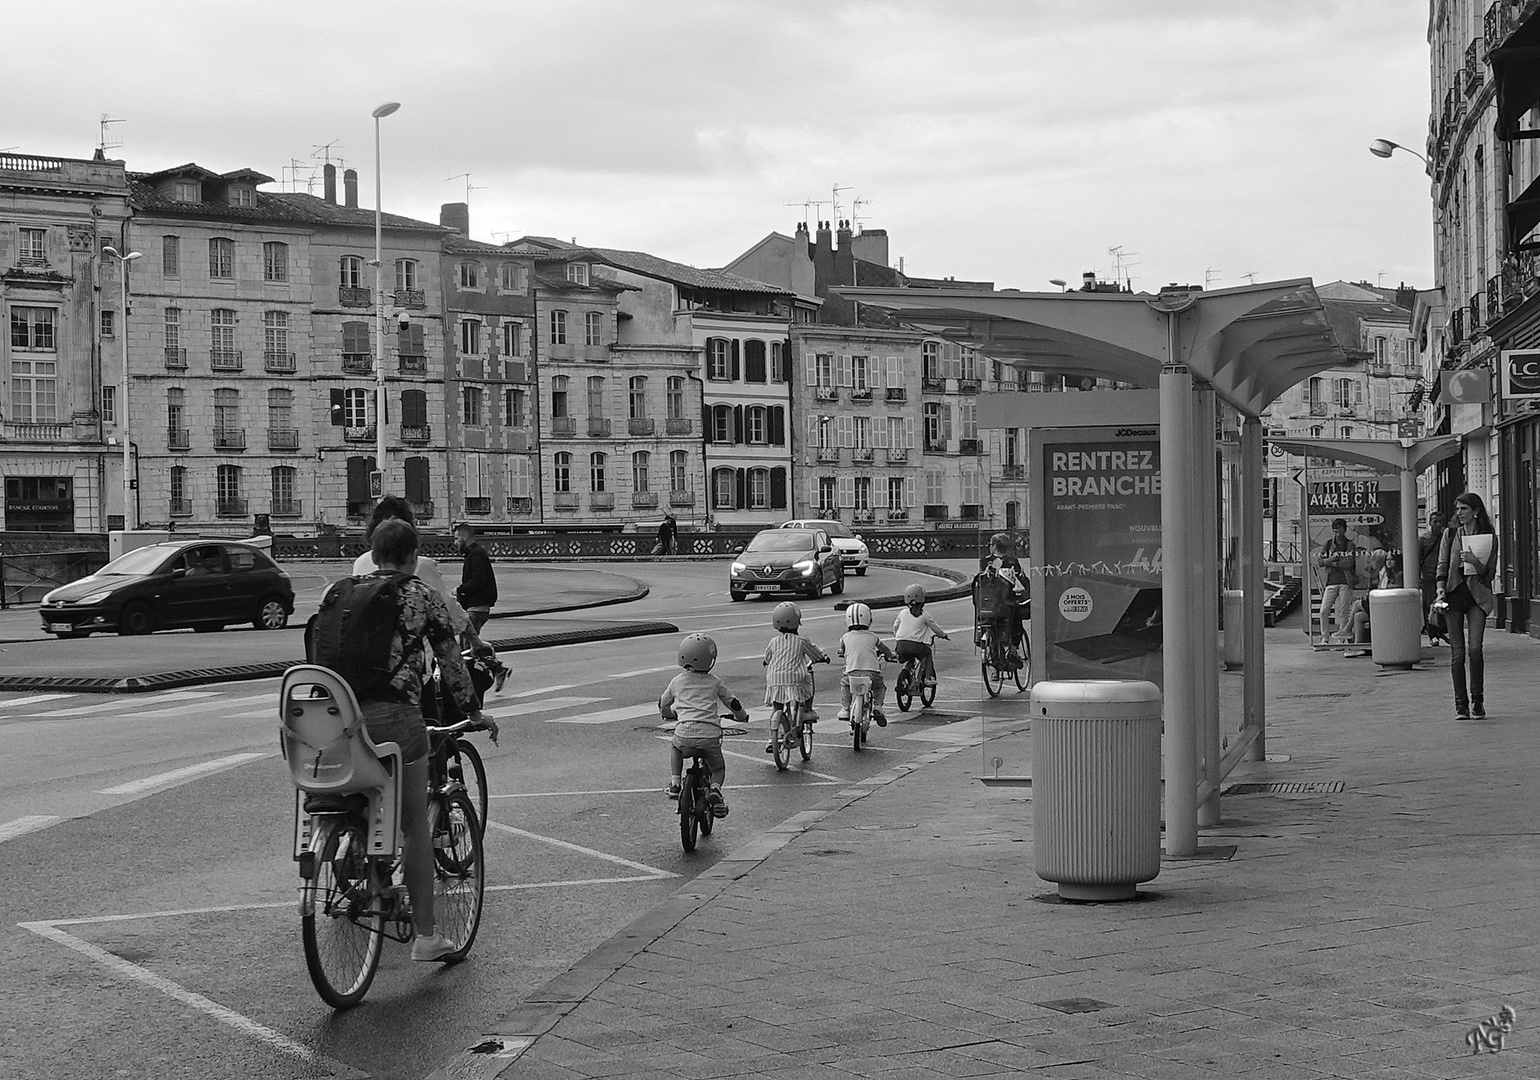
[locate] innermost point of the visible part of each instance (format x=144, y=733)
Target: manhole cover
x=1313, y=787
x=824, y=852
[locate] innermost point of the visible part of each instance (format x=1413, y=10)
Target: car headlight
x=739, y=568
x=806, y=566
x=94, y=598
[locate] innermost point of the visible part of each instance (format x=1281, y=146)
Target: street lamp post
x=1383, y=148
x=379, y=310
x=128, y=475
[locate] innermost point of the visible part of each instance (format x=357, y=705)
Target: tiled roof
x=287, y=207
x=559, y=283
x=640, y=262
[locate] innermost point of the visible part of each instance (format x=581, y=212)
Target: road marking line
x=644, y=671
x=580, y=849
x=502, y=712
x=121, y=705
x=766, y=759
x=608, y=716
x=536, y=693
x=220, y=909
x=228, y=1017
x=577, y=881
x=35, y=699
x=23, y=825
x=176, y=776
x=644, y=791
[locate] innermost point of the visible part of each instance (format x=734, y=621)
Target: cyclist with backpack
x=371, y=630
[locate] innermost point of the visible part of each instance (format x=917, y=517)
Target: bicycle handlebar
x=470, y=723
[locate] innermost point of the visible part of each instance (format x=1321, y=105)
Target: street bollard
x=1395, y=626
x=1096, y=786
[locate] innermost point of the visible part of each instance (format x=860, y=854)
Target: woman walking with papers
x=1467, y=560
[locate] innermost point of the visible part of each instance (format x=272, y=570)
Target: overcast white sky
x=1011, y=140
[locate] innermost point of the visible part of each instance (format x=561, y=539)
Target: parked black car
x=787, y=560
x=204, y=584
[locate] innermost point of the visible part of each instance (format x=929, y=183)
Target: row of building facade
x=1483, y=161
x=536, y=383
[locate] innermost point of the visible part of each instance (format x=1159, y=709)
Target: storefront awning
x=1523, y=215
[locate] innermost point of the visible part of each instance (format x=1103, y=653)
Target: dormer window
x=577, y=273
x=188, y=191
x=243, y=196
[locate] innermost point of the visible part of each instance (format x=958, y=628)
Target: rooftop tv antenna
x=855, y=212
x=1210, y=276
x=298, y=172
x=324, y=152
x=835, y=202
x=1120, y=265
x=805, y=203
x=1251, y=277
x=468, y=188
x=106, y=141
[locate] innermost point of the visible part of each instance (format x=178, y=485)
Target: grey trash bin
x=1096, y=786
x=1395, y=626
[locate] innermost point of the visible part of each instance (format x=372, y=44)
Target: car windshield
x=835, y=529
x=145, y=560
x=790, y=540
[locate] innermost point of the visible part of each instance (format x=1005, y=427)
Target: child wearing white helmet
x=695, y=700
x=913, y=631
x=863, y=652
x=787, y=678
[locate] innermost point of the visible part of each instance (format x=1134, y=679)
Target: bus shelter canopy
x=1249, y=344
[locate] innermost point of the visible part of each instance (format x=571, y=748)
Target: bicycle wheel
x=1022, y=671
x=341, y=922
x=994, y=676
x=805, y=741
x=780, y=740
x=466, y=766
x=903, y=688
x=857, y=711
x=708, y=820
x=689, y=823
x=927, y=695
x=459, y=878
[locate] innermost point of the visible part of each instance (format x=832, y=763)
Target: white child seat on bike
x=322, y=734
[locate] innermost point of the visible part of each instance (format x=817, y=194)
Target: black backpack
x=352, y=633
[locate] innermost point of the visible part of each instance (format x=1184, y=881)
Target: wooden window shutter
x=742, y=500
x=778, y=488
x=358, y=479
x=879, y=493
x=880, y=433
x=736, y=367
x=738, y=431
x=707, y=427
x=946, y=423
x=812, y=369
x=778, y=425
x=842, y=370
x=908, y=491
x=847, y=491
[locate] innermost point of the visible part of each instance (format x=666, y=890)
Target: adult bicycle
x=1002, y=660
x=347, y=837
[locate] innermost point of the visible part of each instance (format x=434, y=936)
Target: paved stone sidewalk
x=899, y=930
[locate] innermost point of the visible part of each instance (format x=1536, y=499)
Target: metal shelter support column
x=1206, y=620
x=1411, y=540
x=1254, y=694
x=1178, y=580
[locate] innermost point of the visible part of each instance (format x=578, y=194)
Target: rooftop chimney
x=1088, y=281
x=456, y=216
x=350, y=188
x=330, y=183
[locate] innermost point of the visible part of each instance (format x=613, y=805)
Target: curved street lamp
x=1383, y=148
x=128, y=476
x=379, y=308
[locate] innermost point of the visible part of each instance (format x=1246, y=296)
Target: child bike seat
x=322, y=734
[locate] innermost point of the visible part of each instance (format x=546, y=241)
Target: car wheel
x=734, y=595
x=73, y=634
x=137, y=618
x=839, y=585
x=860, y=571
x=271, y=615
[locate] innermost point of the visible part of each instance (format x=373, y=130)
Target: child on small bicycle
x=788, y=682
x=863, y=652
x=695, y=700
x=914, y=630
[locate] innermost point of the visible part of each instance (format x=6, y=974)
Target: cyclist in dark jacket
x=478, y=585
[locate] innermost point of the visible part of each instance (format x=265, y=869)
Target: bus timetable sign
x=1520, y=375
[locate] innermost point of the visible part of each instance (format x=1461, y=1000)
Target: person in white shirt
x=863, y=652
x=914, y=629
x=695, y=700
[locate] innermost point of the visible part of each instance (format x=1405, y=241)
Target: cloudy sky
x=1006, y=140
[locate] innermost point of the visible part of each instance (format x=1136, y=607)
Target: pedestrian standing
x=1427, y=572
x=1467, y=562
x=478, y=585
x=1338, y=561
x=668, y=535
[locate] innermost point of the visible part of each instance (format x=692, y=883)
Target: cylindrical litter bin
x=1096, y=786
x=1395, y=626
x=1235, y=629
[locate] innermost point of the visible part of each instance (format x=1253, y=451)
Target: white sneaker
x=433, y=947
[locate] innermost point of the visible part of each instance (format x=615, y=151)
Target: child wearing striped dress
x=787, y=678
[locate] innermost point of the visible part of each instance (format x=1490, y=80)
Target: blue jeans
x=1467, y=624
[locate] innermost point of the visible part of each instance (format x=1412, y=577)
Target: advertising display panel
x=1096, y=553
x=1370, y=503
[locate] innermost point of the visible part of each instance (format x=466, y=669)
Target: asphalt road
x=150, y=901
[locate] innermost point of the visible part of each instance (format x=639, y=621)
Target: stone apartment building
x=256, y=325
x=492, y=427
x=1483, y=157
x=59, y=403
